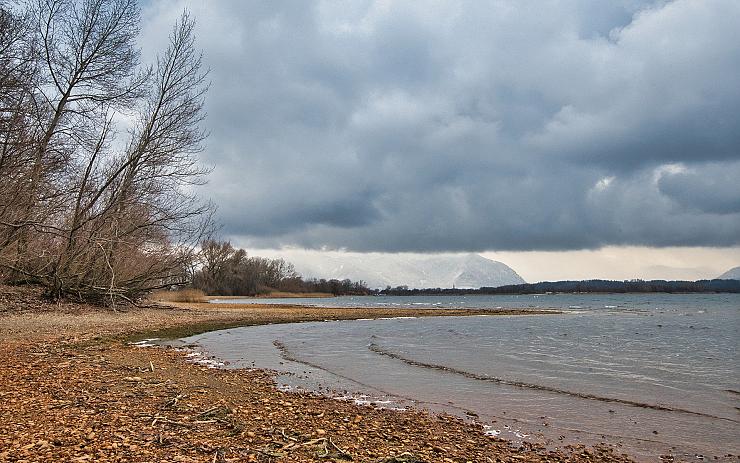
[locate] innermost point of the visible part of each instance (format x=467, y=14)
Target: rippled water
x=649, y=374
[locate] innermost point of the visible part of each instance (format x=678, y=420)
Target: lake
x=650, y=374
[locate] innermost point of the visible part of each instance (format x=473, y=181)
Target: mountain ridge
x=732, y=274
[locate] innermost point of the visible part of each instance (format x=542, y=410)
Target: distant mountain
x=414, y=271
x=732, y=274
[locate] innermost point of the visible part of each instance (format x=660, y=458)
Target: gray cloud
x=711, y=188
x=421, y=126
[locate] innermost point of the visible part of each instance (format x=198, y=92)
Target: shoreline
x=253, y=314
x=274, y=295
x=74, y=389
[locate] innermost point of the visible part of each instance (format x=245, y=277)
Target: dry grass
x=181, y=295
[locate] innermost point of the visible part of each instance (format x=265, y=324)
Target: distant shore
x=581, y=287
x=74, y=387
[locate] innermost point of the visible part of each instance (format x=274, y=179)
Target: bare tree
x=18, y=76
x=86, y=61
x=227, y=271
x=101, y=219
x=143, y=222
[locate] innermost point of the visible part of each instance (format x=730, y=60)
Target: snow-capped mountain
x=414, y=271
x=732, y=274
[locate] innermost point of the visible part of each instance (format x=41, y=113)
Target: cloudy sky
x=540, y=132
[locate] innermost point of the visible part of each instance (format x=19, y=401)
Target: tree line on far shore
x=586, y=286
x=227, y=271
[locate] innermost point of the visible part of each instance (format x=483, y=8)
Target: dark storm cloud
x=714, y=188
x=423, y=126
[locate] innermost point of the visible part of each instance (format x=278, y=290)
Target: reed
x=180, y=295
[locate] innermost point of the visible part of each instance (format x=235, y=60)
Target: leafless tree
x=227, y=271
x=85, y=60
x=103, y=218
x=143, y=222
x=18, y=76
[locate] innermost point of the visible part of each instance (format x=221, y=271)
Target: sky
x=561, y=137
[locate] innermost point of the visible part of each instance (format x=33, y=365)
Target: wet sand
x=74, y=388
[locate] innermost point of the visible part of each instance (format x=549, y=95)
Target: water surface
x=649, y=374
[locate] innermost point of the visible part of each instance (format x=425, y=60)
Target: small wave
x=380, y=351
x=286, y=354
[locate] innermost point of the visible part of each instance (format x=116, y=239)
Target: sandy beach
x=74, y=388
